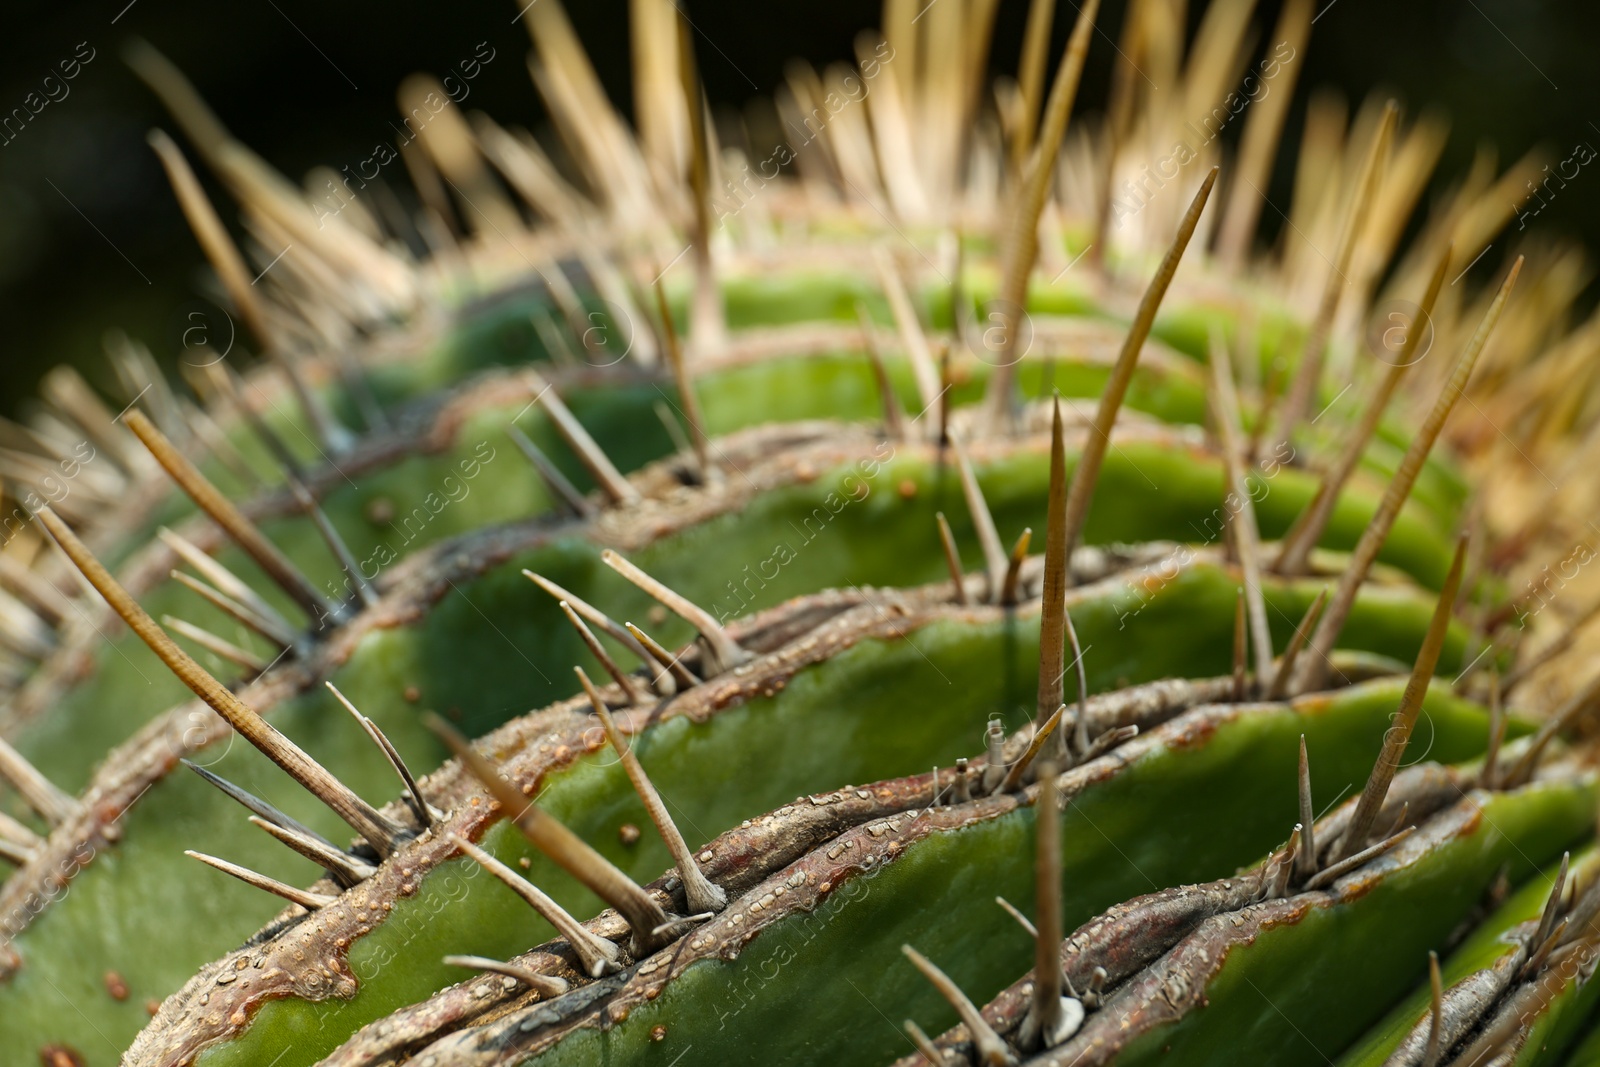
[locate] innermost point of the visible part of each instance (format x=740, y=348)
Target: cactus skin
x=811, y=760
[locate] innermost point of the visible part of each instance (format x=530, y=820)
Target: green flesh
x=458, y=655
x=1146, y=492
x=1179, y=815
x=1486, y=945
x=1270, y=1002
x=1133, y=637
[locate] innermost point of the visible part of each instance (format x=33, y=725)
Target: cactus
x=1265, y=757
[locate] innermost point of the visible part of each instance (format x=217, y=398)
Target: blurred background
x=91, y=238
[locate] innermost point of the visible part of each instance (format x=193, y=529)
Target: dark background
x=90, y=237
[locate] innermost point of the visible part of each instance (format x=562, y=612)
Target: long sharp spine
x=223, y=512
x=562, y=489
x=550, y=836
x=1312, y=670
x=598, y=651
x=724, y=651
x=589, y=452
x=543, y=984
x=414, y=798
x=42, y=795
x=1398, y=735
x=597, y=955
x=303, y=897
x=362, y=817
x=1098, y=439
x=699, y=891
x=991, y=1048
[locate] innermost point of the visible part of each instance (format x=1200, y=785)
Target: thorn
x=361, y=816
x=1247, y=534
x=1280, y=884
x=1030, y=80
x=930, y=1052
x=597, y=955
x=1563, y=717
x=564, y=847
x=679, y=925
x=1313, y=670
x=994, y=553
x=699, y=892
x=724, y=653
x=212, y=643
x=1240, y=641
x=589, y=453
x=1398, y=735
x=1547, y=946
x=1306, y=859
x=946, y=383
x=912, y=337
x=1280, y=681
x=346, y=869
x=414, y=798
x=1053, y=591
x=18, y=836
x=1552, y=905
x=1308, y=527
x=233, y=522
x=1015, y=772
x=1045, y=1017
x=269, y=623
x=234, y=609
x=545, y=985
x=212, y=234
x=1328, y=875
x=681, y=675
x=1398, y=821
x=597, y=650
x=554, y=480
x=1432, y=1051
x=1081, y=491
x=51, y=603
x=1308, y=374
x=595, y=617
x=1489, y=777
x=17, y=855
x=256, y=805
x=680, y=441
x=893, y=420
x=685, y=383
x=991, y=1050
x=52, y=804
x=1021, y=244
x=1019, y=553
x=1109, y=740
x=952, y=558
x=1022, y=920
x=1258, y=146
x=228, y=384
x=1080, y=726
x=336, y=544
x=303, y=897
x=994, y=771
